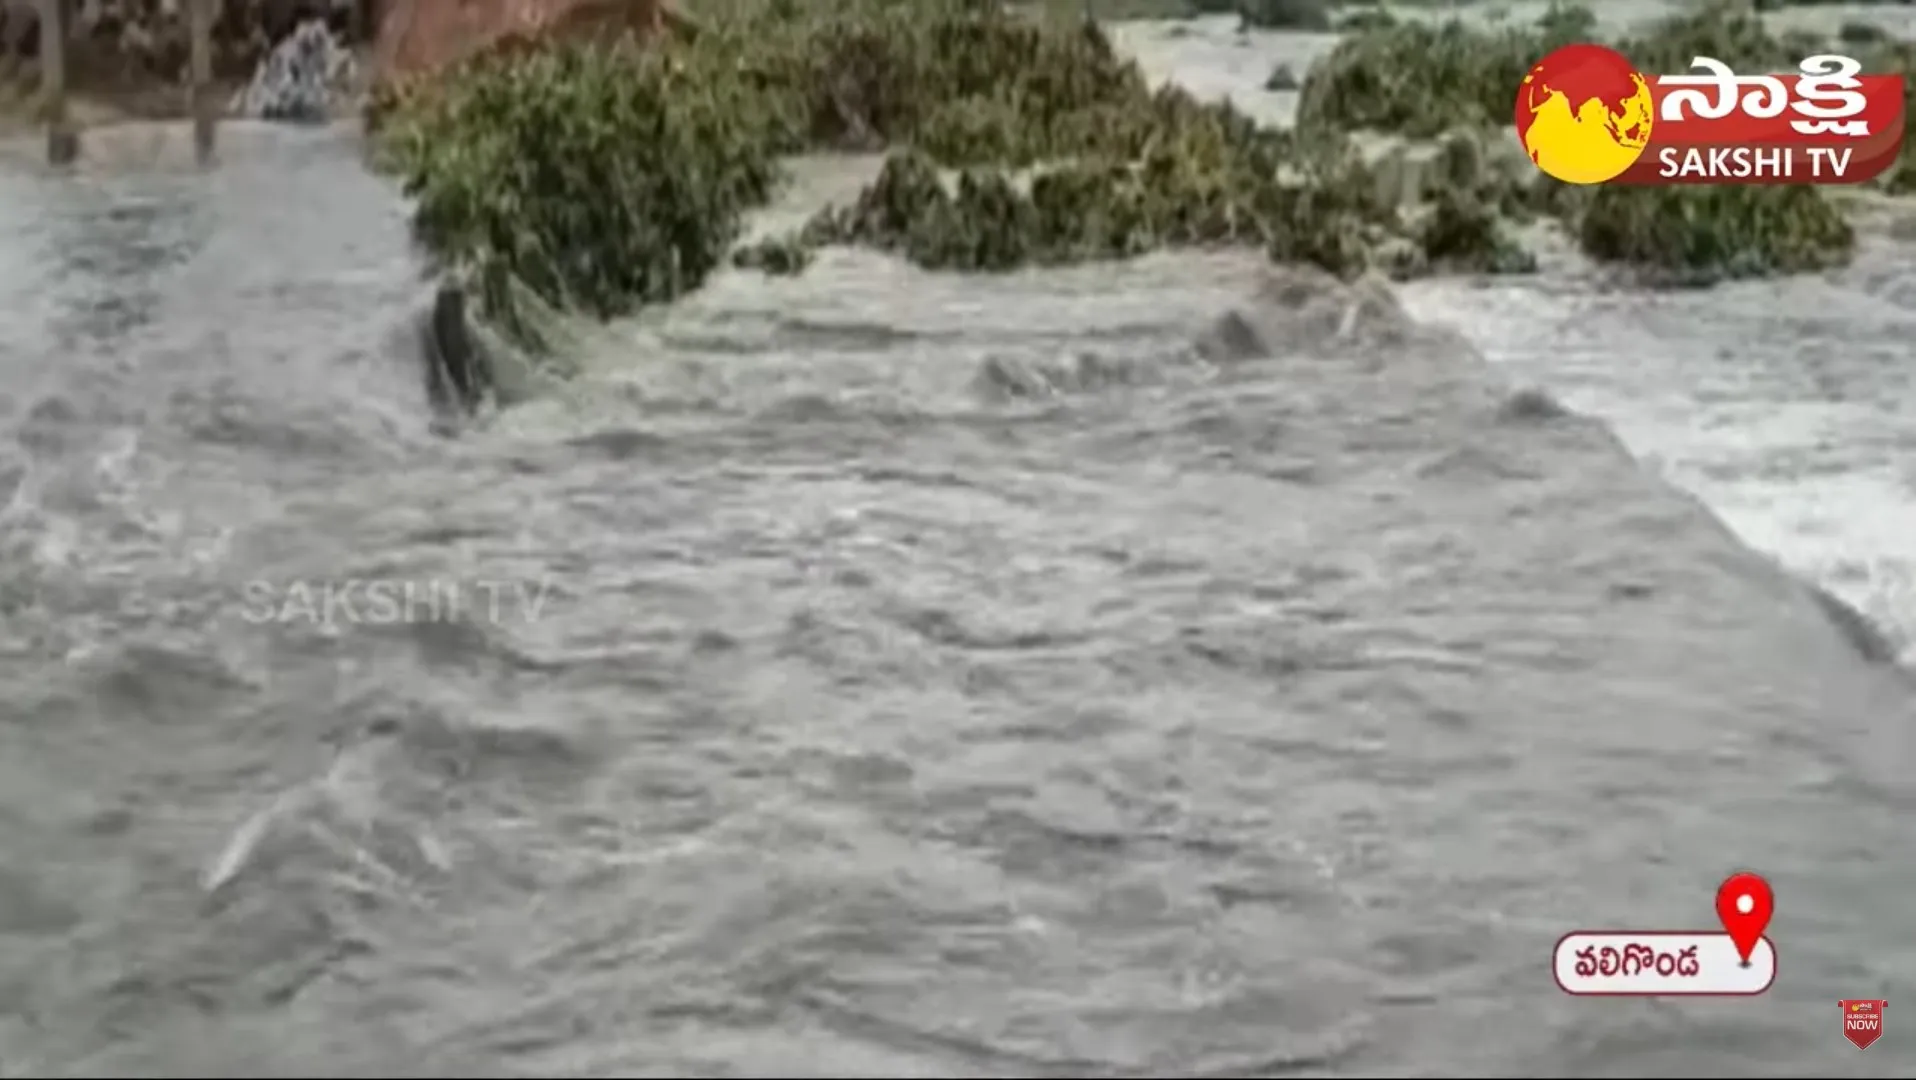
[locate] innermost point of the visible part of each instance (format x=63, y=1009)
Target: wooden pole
x=63, y=143
x=204, y=109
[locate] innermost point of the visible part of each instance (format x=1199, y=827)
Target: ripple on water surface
x=1167, y=668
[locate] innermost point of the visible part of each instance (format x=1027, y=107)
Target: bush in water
x=1420, y=80
x=1895, y=58
x=1286, y=14
x=1212, y=178
x=1702, y=234
x=606, y=177
x=601, y=177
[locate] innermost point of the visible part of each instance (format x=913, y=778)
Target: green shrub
x=1718, y=30
x=1178, y=173
x=601, y=177
x=1419, y=79
x=1424, y=80
x=1778, y=5
x=1358, y=22
x=1285, y=14
x=1861, y=33
x=605, y=177
x=1564, y=23
x=1459, y=233
x=1702, y=234
x=1898, y=58
x=876, y=76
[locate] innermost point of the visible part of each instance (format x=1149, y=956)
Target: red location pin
x=1744, y=904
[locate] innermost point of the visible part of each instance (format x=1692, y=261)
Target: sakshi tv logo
x=1586, y=115
x=1863, y=1020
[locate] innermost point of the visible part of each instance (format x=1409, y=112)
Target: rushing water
x=886, y=673
x=1782, y=403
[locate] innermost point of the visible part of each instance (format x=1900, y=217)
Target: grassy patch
x=606, y=177
x=1421, y=80
x=1896, y=57
x=1286, y=14
x=600, y=178
x=1704, y=234
x=1206, y=176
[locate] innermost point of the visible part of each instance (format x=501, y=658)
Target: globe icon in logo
x=1584, y=114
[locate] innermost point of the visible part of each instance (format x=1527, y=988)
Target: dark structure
x=459, y=374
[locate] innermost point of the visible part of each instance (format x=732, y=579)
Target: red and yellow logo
x=1586, y=115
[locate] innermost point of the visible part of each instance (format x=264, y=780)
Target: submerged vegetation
x=1701, y=234
x=607, y=176
x=1286, y=14
x=1422, y=79
x=600, y=180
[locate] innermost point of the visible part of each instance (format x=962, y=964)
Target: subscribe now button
x=1625, y=963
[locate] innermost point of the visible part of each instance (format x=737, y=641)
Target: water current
x=1173, y=668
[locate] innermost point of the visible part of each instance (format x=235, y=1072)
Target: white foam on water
x=1779, y=403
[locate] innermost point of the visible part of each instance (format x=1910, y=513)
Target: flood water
x=881, y=673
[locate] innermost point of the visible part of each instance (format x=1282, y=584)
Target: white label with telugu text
x=1657, y=963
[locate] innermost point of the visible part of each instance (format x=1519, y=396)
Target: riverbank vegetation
x=1422, y=79
x=1684, y=235
x=606, y=176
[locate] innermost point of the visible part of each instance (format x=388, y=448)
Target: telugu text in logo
x=1863, y=1021
x=1825, y=123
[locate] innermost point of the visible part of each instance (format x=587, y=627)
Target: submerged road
x=1182, y=667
